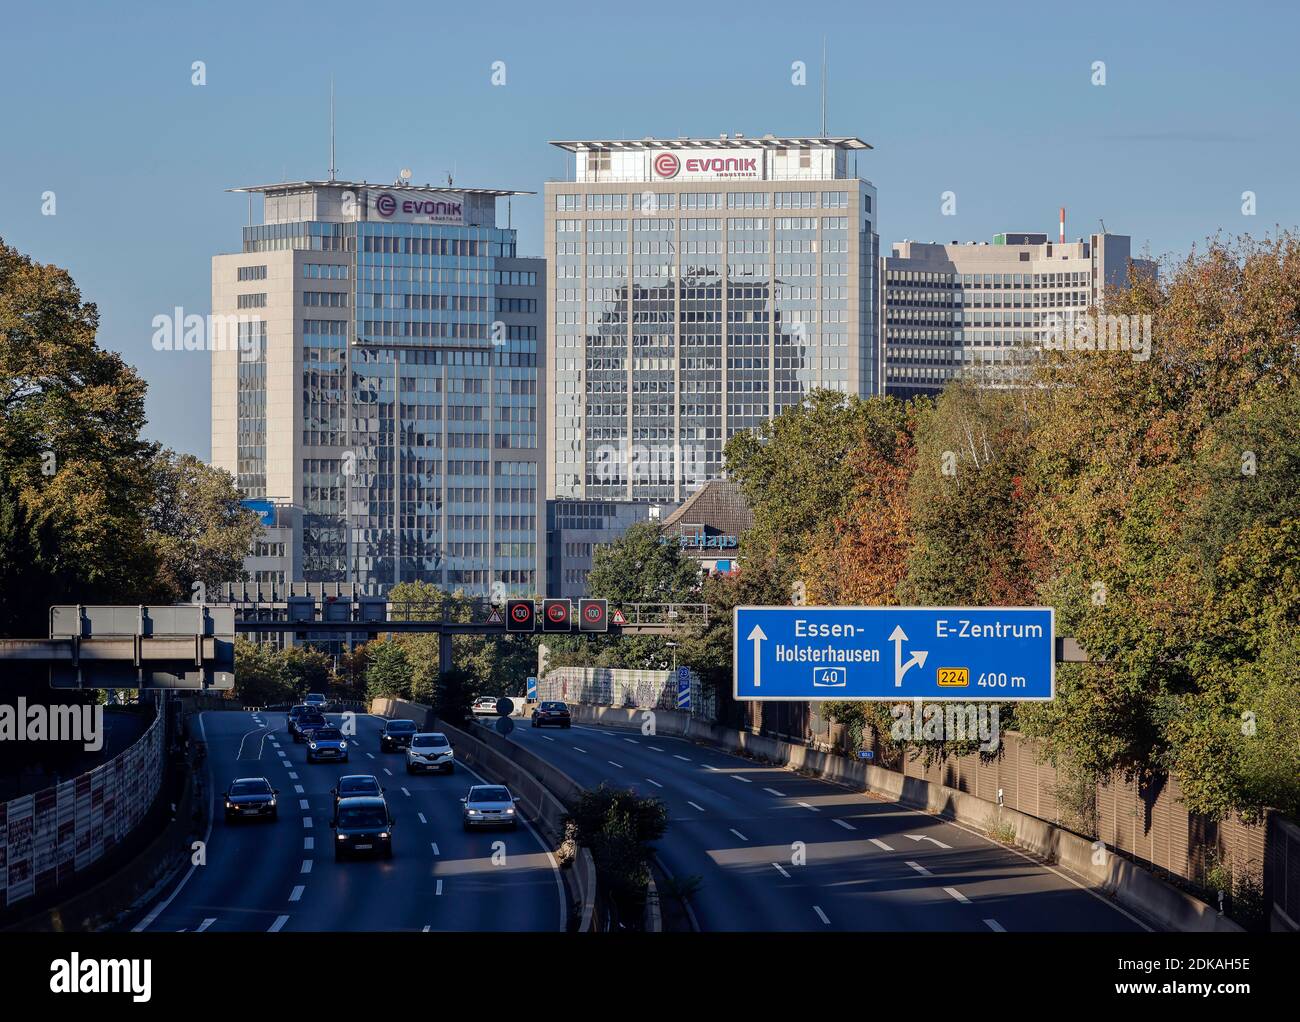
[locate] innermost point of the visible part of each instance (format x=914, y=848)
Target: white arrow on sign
x=898, y=637
x=757, y=636
x=923, y=837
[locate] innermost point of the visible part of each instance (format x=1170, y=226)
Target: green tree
x=196, y=525
x=71, y=453
x=638, y=568
x=389, y=673
x=261, y=677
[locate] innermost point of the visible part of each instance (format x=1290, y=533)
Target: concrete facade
x=982, y=310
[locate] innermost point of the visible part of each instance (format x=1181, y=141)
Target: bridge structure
x=191, y=646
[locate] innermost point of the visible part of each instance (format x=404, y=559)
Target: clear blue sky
x=992, y=101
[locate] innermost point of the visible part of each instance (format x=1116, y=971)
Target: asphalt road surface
x=272, y=876
x=778, y=851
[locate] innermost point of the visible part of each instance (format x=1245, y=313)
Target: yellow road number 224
x=953, y=677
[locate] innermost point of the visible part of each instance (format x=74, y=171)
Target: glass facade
x=684, y=315
x=417, y=408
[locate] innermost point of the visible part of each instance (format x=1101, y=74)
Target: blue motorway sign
x=531, y=695
x=895, y=653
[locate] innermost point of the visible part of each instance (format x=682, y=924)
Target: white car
x=489, y=805
x=485, y=706
x=430, y=750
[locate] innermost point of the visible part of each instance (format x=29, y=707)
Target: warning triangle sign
x=618, y=618
x=495, y=617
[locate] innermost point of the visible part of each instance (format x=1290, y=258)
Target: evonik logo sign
x=711, y=165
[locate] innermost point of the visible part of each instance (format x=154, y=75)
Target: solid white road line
x=807, y=806
x=739, y=834
x=781, y=869
x=821, y=915
x=158, y=909
x=306, y=866
x=745, y=779
x=550, y=858
x=958, y=895
x=773, y=791
x=204, y=925
x=242, y=740
x=920, y=869
x=296, y=893
x=880, y=844
x=994, y=925
x=279, y=922
x=690, y=803
x=845, y=824
x=654, y=782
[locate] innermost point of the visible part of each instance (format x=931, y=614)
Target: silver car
x=489, y=805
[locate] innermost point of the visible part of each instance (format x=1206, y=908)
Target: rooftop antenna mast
x=823, y=86
x=332, y=167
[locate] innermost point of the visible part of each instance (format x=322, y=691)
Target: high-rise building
x=981, y=310
x=698, y=287
x=386, y=382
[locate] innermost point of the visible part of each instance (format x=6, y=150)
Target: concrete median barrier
x=541, y=789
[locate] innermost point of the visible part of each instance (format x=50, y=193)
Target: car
x=396, y=735
x=552, y=712
x=306, y=722
x=296, y=711
x=250, y=796
x=489, y=805
x=485, y=706
x=430, y=750
x=316, y=701
x=363, y=824
x=355, y=786
x=327, y=743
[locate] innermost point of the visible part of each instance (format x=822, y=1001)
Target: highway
x=744, y=827
x=282, y=876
